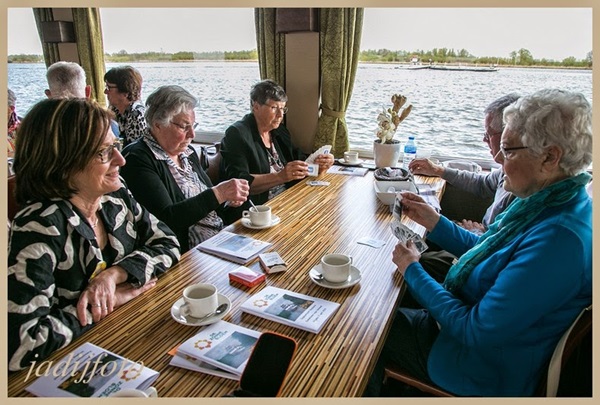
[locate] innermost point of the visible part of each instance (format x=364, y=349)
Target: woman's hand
x=425, y=167
x=472, y=226
x=419, y=211
x=99, y=295
x=404, y=255
x=325, y=161
x=294, y=170
x=126, y=292
x=235, y=191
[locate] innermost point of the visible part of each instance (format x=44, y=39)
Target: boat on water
x=464, y=68
x=455, y=68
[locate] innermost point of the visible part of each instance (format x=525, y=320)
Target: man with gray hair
x=66, y=80
x=485, y=185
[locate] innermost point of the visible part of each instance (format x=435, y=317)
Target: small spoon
x=220, y=309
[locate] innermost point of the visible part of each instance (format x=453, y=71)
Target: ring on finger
x=98, y=305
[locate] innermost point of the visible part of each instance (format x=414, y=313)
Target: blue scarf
x=510, y=223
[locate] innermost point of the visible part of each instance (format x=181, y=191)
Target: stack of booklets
x=90, y=371
x=236, y=248
x=220, y=349
x=290, y=308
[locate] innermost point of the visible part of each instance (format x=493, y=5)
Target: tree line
x=521, y=57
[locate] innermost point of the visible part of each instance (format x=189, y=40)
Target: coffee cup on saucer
x=351, y=157
x=259, y=215
x=199, y=300
x=335, y=267
x=134, y=392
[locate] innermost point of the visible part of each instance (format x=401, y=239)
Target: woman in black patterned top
x=81, y=246
x=123, y=88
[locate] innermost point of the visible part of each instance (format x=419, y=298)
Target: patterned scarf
x=510, y=223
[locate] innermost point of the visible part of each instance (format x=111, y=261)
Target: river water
x=446, y=119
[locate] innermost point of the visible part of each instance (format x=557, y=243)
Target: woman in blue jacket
x=491, y=328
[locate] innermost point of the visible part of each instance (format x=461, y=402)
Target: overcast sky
x=550, y=33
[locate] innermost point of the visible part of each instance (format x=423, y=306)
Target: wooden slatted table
x=315, y=220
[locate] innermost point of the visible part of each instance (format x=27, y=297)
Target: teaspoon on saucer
x=220, y=309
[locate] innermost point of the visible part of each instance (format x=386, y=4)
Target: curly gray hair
x=553, y=117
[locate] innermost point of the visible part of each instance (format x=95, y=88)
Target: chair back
x=214, y=163
x=13, y=207
x=567, y=345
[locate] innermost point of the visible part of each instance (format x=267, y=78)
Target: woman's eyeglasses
x=507, y=153
x=107, y=87
x=106, y=154
x=186, y=127
x=275, y=109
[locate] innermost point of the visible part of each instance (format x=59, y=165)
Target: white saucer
x=343, y=162
x=191, y=321
x=248, y=224
x=352, y=280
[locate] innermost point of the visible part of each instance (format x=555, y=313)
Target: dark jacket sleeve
x=153, y=186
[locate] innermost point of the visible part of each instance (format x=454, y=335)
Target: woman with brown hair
x=81, y=246
x=123, y=88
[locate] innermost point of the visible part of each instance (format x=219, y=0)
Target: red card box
x=246, y=276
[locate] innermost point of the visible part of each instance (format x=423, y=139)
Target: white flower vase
x=386, y=154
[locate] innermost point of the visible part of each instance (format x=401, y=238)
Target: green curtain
x=340, y=33
x=50, y=50
x=270, y=45
x=88, y=31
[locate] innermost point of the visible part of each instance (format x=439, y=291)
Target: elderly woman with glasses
x=81, y=246
x=258, y=148
x=164, y=173
x=123, y=89
x=491, y=328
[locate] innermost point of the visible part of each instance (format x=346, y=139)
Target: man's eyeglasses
x=275, y=109
x=507, y=153
x=487, y=136
x=106, y=154
x=107, y=87
x=186, y=127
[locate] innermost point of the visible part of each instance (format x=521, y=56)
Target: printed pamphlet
x=191, y=363
x=222, y=345
x=290, y=308
x=90, y=371
x=236, y=248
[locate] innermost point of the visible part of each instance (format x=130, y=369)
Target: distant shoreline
x=365, y=62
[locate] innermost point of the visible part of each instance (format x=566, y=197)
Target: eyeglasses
x=275, y=109
x=186, y=127
x=487, y=136
x=106, y=154
x=108, y=87
x=507, y=153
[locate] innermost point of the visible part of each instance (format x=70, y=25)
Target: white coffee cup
x=259, y=215
x=133, y=392
x=335, y=267
x=200, y=300
x=351, y=157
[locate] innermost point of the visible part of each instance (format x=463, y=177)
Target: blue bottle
x=410, y=152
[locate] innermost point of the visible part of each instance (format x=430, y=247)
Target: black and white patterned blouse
x=52, y=253
x=132, y=122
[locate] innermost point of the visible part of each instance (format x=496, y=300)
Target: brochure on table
x=291, y=308
x=223, y=345
x=90, y=371
x=236, y=248
x=191, y=363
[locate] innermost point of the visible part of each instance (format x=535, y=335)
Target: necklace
x=95, y=224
